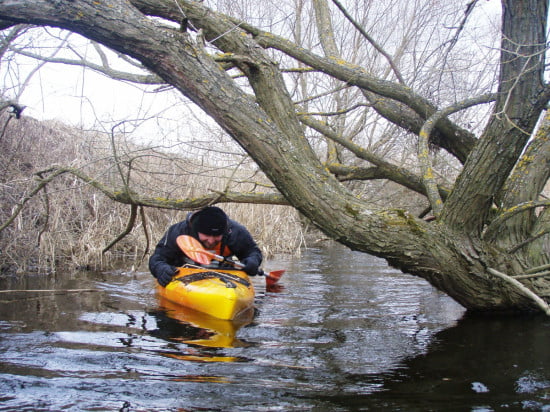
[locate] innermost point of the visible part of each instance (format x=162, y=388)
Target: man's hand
x=250, y=266
x=165, y=276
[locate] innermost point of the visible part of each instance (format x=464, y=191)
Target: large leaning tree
x=486, y=244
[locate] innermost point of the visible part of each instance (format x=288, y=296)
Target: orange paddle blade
x=273, y=277
x=193, y=249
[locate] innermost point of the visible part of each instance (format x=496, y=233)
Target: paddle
x=194, y=249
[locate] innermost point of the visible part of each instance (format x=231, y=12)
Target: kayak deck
x=223, y=294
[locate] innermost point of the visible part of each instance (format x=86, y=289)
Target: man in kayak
x=216, y=232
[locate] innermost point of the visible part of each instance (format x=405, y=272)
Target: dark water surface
x=345, y=333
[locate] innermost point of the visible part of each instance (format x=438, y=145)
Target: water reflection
x=346, y=332
x=482, y=364
x=200, y=329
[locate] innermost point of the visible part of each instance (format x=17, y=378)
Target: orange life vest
x=226, y=252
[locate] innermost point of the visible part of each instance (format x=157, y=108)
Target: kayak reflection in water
x=202, y=334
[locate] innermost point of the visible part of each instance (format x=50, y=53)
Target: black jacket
x=168, y=256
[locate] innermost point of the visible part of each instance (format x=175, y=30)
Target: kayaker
x=217, y=233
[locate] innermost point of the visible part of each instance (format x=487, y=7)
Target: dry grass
x=70, y=223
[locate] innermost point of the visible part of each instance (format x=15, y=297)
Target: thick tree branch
x=496, y=225
x=428, y=177
x=389, y=171
x=526, y=183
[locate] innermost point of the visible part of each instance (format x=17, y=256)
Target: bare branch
x=389, y=171
x=469, y=9
x=371, y=41
x=103, y=69
x=523, y=290
x=127, y=229
x=131, y=198
x=493, y=229
x=528, y=241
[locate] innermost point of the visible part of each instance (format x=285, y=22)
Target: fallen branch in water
x=527, y=292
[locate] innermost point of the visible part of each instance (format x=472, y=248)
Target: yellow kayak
x=224, y=294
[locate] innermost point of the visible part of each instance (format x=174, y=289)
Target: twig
x=469, y=9
x=46, y=198
x=145, y=232
x=17, y=209
x=538, y=269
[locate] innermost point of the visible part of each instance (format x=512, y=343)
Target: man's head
x=210, y=224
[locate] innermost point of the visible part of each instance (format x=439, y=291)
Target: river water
x=344, y=332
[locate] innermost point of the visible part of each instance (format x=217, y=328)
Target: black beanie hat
x=211, y=221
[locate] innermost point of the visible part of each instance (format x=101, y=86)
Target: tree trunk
x=489, y=166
